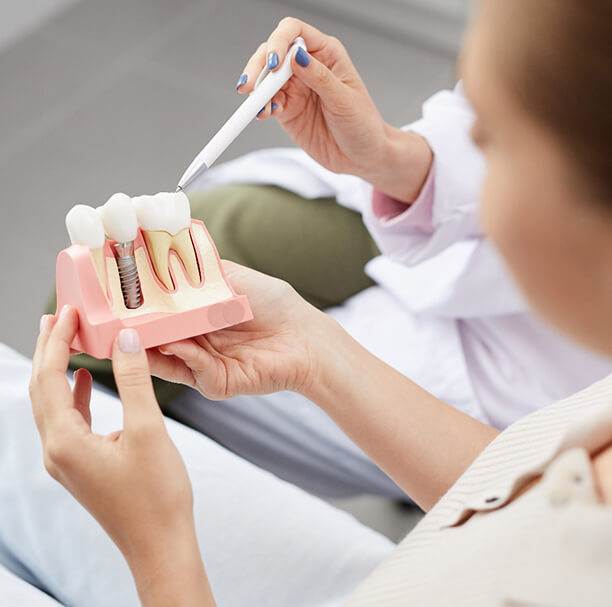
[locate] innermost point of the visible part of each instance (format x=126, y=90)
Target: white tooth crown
x=164, y=212
x=119, y=218
x=85, y=226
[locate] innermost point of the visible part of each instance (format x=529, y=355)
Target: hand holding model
x=132, y=481
x=290, y=345
x=326, y=110
x=277, y=350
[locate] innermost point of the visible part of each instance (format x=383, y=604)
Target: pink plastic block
x=78, y=285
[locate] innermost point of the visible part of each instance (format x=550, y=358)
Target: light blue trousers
x=264, y=541
x=290, y=436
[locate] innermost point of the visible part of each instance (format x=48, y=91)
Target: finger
x=318, y=77
x=170, y=368
x=192, y=353
x=251, y=71
x=195, y=356
x=81, y=394
x=231, y=266
x=186, y=350
x=284, y=35
x=278, y=103
x=133, y=379
x=265, y=112
x=49, y=387
x=46, y=324
x=57, y=348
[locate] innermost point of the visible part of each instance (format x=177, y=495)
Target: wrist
x=171, y=571
x=406, y=162
x=334, y=362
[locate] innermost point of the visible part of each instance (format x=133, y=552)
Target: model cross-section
x=143, y=263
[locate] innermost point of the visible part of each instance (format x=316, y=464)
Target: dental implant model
x=143, y=263
x=165, y=219
x=85, y=227
x=121, y=224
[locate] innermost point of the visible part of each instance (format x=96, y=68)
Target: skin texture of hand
x=326, y=110
x=132, y=481
x=270, y=353
x=421, y=442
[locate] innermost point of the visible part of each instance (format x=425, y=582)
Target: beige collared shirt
x=550, y=547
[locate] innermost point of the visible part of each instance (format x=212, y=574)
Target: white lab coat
x=446, y=311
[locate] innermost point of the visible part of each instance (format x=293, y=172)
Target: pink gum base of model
x=78, y=285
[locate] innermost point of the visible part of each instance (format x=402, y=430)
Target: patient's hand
x=132, y=481
x=277, y=350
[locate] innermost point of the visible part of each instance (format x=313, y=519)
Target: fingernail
x=242, y=80
x=260, y=111
x=164, y=352
x=274, y=106
x=302, y=57
x=64, y=311
x=44, y=319
x=129, y=341
x=272, y=61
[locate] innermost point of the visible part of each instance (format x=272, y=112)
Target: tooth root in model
x=165, y=219
x=121, y=225
x=158, y=244
x=181, y=243
x=85, y=227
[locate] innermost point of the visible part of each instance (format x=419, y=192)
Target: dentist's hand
x=277, y=350
x=326, y=110
x=132, y=481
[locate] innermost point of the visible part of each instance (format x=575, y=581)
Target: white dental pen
x=267, y=85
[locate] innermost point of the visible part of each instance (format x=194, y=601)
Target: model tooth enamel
x=119, y=218
x=165, y=220
x=85, y=227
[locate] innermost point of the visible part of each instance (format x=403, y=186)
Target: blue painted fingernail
x=242, y=80
x=261, y=110
x=274, y=106
x=301, y=57
x=272, y=61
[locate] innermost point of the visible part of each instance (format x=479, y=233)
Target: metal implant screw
x=128, y=275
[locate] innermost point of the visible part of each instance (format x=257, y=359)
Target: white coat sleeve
x=447, y=208
x=444, y=216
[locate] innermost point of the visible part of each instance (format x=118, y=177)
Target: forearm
x=404, y=165
x=170, y=573
x=422, y=443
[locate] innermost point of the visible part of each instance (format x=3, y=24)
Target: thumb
x=318, y=77
x=133, y=379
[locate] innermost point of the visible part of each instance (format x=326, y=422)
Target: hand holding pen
x=326, y=110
